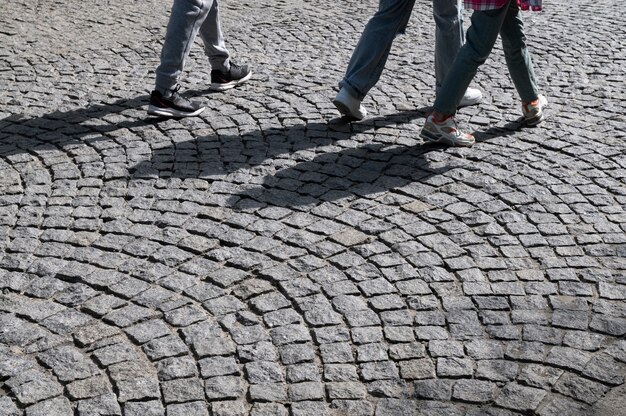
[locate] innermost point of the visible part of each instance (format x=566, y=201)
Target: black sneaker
x=172, y=106
x=221, y=81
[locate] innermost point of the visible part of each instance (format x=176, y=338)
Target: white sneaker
x=349, y=106
x=472, y=96
x=533, y=111
x=446, y=133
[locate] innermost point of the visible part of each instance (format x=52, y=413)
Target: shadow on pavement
x=18, y=133
x=216, y=155
x=493, y=132
x=281, y=176
x=266, y=168
x=364, y=171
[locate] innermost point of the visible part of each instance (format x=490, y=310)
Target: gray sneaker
x=446, y=133
x=237, y=74
x=173, y=105
x=533, y=111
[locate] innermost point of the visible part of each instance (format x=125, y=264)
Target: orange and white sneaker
x=446, y=132
x=533, y=111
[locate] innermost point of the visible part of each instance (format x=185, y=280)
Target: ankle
x=439, y=117
x=533, y=102
x=167, y=92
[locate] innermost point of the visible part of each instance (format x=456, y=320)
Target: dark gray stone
x=177, y=367
x=475, y=391
x=90, y=387
x=260, y=372
x=520, y=398
x=454, y=367
x=336, y=353
x=58, y=406
x=68, y=363
x=105, y=405
x=384, y=370
x=396, y=407
x=227, y=387
x=435, y=389
x=137, y=389
x=580, y=388
x=306, y=391
x=150, y=408
x=353, y=407
x=268, y=409
x=268, y=392
x=540, y=376
x=199, y=408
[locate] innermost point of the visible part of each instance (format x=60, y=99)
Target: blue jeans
x=188, y=19
x=370, y=55
x=481, y=37
x=448, y=15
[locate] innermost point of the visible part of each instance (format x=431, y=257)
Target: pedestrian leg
x=185, y=21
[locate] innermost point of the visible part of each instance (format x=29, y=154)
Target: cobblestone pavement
x=267, y=259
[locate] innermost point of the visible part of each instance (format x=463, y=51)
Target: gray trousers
x=188, y=19
x=370, y=55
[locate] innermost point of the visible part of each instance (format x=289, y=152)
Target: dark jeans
x=480, y=39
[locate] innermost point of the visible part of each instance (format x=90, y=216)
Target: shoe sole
x=535, y=120
x=428, y=136
x=170, y=112
x=345, y=111
x=228, y=85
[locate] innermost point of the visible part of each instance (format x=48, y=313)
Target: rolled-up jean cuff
x=345, y=84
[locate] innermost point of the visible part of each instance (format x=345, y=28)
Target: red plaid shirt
x=484, y=4
x=534, y=5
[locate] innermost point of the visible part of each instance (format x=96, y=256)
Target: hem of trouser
x=351, y=90
x=222, y=67
x=529, y=101
x=165, y=91
x=159, y=84
x=524, y=97
x=447, y=113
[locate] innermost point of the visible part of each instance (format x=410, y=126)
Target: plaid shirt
x=534, y=5
x=484, y=4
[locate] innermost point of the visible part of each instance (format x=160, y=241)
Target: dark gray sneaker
x=237, y=74
x=173, y=106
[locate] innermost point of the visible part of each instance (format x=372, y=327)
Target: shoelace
x=177, y=97
x=173, y=93
x=235, y=68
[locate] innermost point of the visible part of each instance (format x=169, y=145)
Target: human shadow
x=19, y=133
x=276, y=166
x=279, y=158
x=98, y=122
x=303, y=164
x=369, y=171
x=90, y=124
x=499, y=131
x=213, y=156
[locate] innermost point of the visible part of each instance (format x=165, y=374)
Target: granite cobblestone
x=269, y=258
